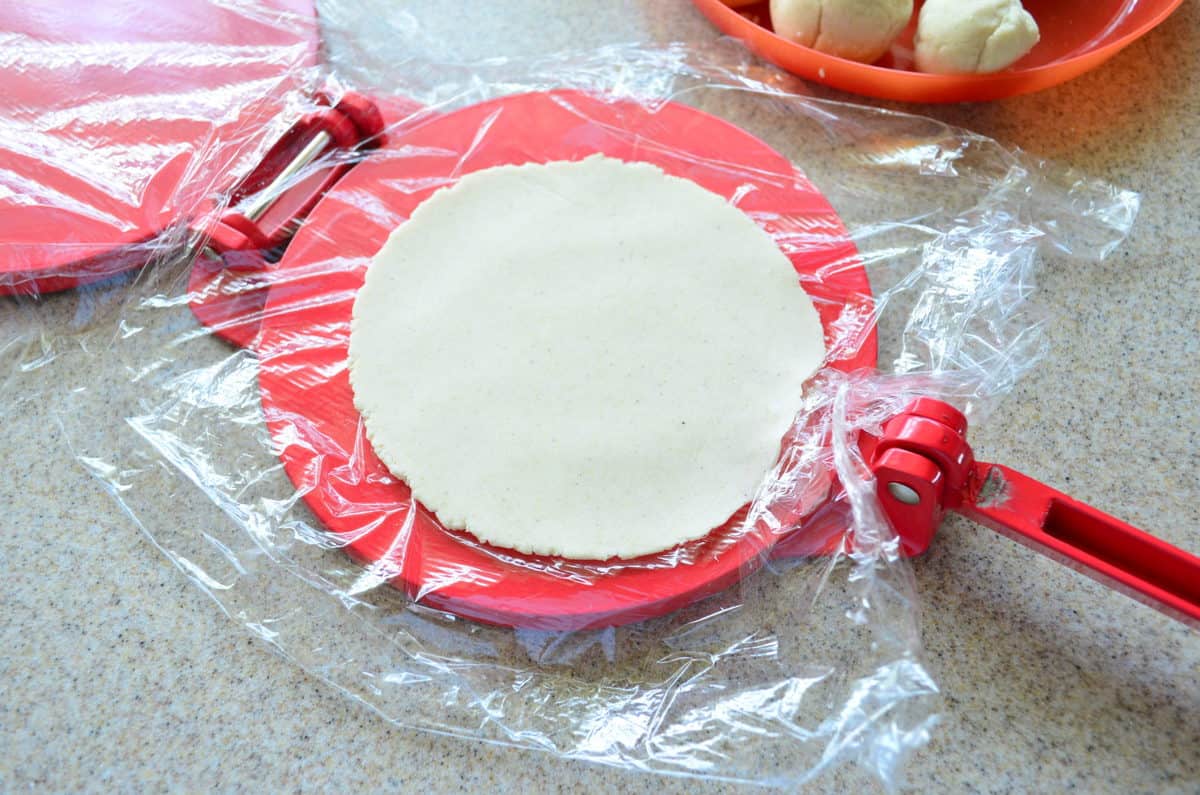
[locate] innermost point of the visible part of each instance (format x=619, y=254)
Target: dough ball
x=860, y=30
x=973, y=36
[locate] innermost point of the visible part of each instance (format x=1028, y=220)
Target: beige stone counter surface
x=117, y=674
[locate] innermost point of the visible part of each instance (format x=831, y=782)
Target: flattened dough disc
x=588, y=359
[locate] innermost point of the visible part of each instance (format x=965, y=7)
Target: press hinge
x=268, y=207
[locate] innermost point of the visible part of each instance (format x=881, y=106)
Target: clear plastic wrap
x=116, y=126
x=793, y=645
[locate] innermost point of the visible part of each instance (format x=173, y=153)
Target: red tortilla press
x=66, y=221
x=922, y=462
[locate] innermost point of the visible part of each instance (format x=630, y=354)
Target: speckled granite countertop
x=117, y=674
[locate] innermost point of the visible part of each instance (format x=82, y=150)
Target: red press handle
x=1088, y=540
x=923, y=467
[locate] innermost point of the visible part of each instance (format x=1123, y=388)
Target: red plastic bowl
x=1077, y=35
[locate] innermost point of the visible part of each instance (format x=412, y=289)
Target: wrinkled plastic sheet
x=810, y=657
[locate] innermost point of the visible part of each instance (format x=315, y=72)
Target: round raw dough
x=972, y=36
x=860, y=30
x=587, y=359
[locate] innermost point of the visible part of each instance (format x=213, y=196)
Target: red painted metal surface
x=122, y=130
x=924, y=466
